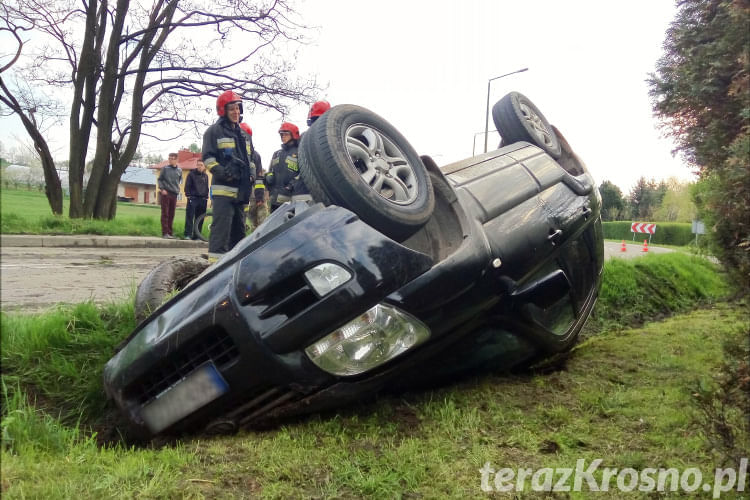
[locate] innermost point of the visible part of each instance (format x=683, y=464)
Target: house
x=138, y=185
x=187, y=161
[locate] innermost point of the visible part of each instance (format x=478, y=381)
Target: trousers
x=228, y=226
x=168, y=203
x=194, y=209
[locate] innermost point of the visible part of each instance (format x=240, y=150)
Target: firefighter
x=225, y=154
x=284, y=166
x=317, y=110
x=258, y=210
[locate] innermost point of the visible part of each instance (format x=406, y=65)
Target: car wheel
x=169, y=276
x=203, y=221
x=353, y=158
x=517, y=119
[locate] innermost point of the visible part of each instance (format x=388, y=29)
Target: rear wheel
x=518, y=119
x=354, y=158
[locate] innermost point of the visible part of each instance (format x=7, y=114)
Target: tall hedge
x=701, y=94
x=667, y=233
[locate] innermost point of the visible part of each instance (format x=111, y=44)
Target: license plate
x=199, y=388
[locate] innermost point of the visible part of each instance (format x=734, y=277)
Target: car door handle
x=554, y=236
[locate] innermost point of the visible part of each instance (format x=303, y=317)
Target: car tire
x=353, y=158
x=199, y=221
x=167, y=277
x=518, y=119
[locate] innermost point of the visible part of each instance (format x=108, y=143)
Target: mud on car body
x=403, y=273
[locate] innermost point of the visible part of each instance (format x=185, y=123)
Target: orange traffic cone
x=645, y=246
x=623, y=248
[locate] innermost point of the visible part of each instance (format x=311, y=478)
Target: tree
x=645, y=197
x=701, y=93
x=132, y=67
x=3, y=158
x=23, y=102
x=613, y=203
x=137, y=156
x=153, y=159
x=677, y=204
x=194, y=148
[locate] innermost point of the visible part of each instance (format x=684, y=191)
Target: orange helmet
x=316, y=110
x=225, y=98
x=291, y=128
x=244, y=126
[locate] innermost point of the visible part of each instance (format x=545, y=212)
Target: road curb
x=29, y=240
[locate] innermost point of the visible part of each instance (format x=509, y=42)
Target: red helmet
x=225, y=98
x=316, y=110
x=244, y=126
x=290, y=127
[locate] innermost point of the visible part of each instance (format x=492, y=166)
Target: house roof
x=186, y=160
x=135, y=175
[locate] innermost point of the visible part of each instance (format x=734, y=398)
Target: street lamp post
x=487, y=113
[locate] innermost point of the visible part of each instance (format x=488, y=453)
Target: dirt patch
x=35, y=278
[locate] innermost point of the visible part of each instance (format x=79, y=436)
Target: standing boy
x=169, y=181
x=196, y=190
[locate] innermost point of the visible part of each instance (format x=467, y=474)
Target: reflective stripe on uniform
x=219, y=190
x=281, y=198
x=291, y=163
x=210, y=162
x=225, y=142
x=302, y=197
x=259, y=185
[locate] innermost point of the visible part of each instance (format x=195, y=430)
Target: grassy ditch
x=651, y=287
x=633, y=397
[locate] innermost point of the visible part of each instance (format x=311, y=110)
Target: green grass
x=27, y=212
x=627, y=396
x=652, y=286
x=60, y=354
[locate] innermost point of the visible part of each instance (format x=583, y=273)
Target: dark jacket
x=225, y=154
x=259, y=187
x=284, y=168
x=196, y=185
x=170, y=178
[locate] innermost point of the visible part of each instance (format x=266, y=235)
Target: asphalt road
x=613, y=249
x=35, y=278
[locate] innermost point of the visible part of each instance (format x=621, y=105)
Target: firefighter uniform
x=225, y=154
x=280, y=178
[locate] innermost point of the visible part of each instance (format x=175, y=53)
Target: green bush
x=667, y=233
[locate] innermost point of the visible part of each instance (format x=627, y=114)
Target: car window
x=557, y=318
x=578, y=259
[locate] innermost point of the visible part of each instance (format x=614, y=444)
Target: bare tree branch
x=134, y=66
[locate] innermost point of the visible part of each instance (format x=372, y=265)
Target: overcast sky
x=424, y=65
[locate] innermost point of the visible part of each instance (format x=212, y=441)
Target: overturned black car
x=402, y=272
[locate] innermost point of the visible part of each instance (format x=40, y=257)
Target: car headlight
x=326, y=277
x=379, y=335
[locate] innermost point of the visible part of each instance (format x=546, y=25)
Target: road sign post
x=698, y=228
